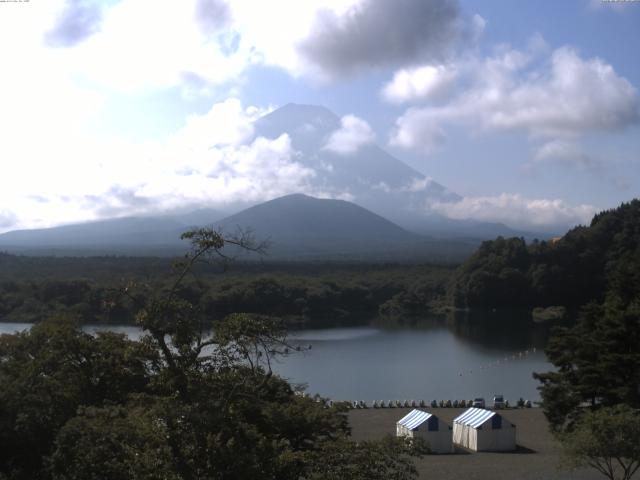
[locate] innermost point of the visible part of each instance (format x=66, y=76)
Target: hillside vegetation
x=32, y=288
x=585, y=265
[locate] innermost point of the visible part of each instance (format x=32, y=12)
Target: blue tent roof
x=474, y=417
x=414, y=419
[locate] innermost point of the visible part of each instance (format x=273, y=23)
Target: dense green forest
x=582, y=266
x=32, y=288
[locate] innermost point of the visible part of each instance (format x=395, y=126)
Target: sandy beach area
x=537, y=457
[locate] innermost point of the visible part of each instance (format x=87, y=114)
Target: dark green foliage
x=592, y=398
x=338, y=294
x=112, y=443
x=597, y=363
x=185, y=402
x=572, y=271
x=388, y=459
x=421, y=294
x=494, y=275
x=606, y=440
x=47, y=373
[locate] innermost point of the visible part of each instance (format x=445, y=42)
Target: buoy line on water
x=361, y=404
x=503, y=361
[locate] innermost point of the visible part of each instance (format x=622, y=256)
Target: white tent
x=427, y=426
x=483, y=430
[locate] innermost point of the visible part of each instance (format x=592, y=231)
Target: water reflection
x=427, y=358
x=498, y=329
x=332, y=334
x=506, y=329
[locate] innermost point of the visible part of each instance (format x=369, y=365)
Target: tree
x=50, y=371
x=597, y=364
x=190, y=400
x=607, y=440
x=112, y=443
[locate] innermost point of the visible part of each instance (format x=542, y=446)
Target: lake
x=460, y=358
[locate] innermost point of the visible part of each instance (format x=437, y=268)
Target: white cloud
x=422, y=83
x=135, y=46
x=418, y=185
x=142, y=46
x=563, y=152
x=417, y=129
x=477, y=26
x=517, y=211
x=75, y=177
x=261, y=170
x=7, y=218
x=226, y=123
x=353, y=134
x=77, y=21
x=271, y=30
x=199, y=45
x=567, y=96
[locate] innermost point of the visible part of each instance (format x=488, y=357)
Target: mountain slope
x=297, y=227
x=299, y=216
x=372, y=177
x=120, y=235
x=301, y=226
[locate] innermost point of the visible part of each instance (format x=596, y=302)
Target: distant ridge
x=299, y=216
x=298, y=226
x=131, y=235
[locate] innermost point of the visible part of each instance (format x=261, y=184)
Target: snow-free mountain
x=131, y=235
x=296, y=226
x=300, y=226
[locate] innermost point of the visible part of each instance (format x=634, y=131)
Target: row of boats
x=361, y=404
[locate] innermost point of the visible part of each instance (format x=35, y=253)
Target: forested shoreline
x=91, y=289
x=585, y=265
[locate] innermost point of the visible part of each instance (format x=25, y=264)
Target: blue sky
x=530, y=111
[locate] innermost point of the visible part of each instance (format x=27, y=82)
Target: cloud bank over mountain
x=518, y=212
x=128, y=107
x=353, y=133
x=234, y=155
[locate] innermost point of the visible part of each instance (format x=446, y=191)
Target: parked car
x=478, y=402
x=498, y=402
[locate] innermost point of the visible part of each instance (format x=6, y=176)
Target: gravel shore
x=537, y=457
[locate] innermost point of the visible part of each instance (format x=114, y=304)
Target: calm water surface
x=431, y=360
